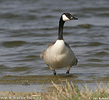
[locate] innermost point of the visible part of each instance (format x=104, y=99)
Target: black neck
x=60, y=32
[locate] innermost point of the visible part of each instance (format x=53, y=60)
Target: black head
x=68, y=16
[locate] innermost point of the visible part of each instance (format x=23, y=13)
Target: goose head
x=64, y=17
x=68, y=16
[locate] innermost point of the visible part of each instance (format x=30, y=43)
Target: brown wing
x=51, y=44
x=42, y=54
x=76, y=62
x=67, y=45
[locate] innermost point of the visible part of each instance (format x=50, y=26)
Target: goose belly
x=59, y=60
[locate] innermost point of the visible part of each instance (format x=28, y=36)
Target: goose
x=59, y=54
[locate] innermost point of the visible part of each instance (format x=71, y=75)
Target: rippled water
x=27, y=27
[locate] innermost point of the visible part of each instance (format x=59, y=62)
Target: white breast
x=59, y=47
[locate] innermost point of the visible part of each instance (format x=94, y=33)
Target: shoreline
x=101, y=92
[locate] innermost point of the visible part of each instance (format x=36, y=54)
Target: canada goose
x=59, y=54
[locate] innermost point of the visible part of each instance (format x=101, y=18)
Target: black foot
x=54, y=73
x=67, y=72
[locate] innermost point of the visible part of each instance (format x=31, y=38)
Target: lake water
x=27, y=27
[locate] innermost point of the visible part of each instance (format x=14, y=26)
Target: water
x=27, y=27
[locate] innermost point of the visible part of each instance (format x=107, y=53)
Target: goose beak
x=73, y=18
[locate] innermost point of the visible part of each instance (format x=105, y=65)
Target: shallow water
x=27, y=27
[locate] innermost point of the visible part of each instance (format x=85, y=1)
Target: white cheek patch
x=65, y=18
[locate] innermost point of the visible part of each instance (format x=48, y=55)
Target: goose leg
x=68, y=70
x=53, y=70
